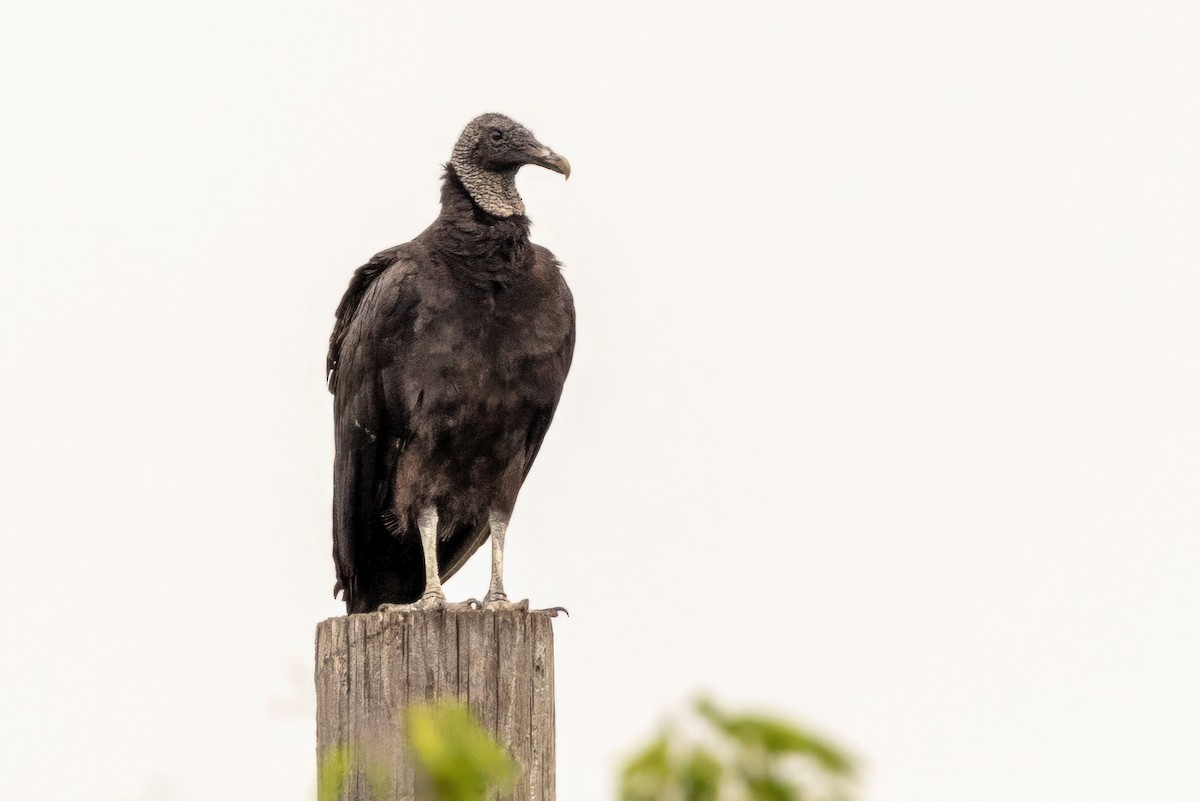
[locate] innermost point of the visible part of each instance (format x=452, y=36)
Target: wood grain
x=370, y=667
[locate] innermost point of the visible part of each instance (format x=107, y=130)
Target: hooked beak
x=545, y=157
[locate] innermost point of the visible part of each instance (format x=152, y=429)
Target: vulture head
x=487, y=156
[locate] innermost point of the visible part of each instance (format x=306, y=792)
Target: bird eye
x=497, y=136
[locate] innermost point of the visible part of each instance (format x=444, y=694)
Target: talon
x=552, y=611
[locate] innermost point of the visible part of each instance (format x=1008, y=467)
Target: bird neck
x=482, y=242
x=495, y=192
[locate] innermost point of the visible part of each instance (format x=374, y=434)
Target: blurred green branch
x=737, y=757
x=459, y=761
x=717, y=756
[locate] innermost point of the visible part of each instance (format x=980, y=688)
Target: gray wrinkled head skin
x=487, y=156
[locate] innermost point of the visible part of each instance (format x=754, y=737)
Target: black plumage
x=446, y=363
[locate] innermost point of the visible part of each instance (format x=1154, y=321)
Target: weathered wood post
x=370, y=667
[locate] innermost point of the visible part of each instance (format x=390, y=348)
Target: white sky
x=883, y=413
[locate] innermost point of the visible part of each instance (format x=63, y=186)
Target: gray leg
x=498, y=526
x=496, y=598
x=434, y=597
x=427, y=522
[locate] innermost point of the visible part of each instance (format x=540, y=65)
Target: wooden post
x=370, y=667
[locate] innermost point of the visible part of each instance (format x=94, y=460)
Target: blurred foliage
x=332, y=770
x=719, y=756
x=336, y=766
x=460, y=759
x=713, y=755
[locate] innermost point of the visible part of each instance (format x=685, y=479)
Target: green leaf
x=768, y=788
x=460, y=759
x=777, y=737
x=331, y=773
x=700, y=776
x=752, y=759
x=647, y=774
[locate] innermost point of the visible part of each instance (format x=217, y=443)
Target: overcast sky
x=883, y=412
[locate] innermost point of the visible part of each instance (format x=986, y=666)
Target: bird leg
x=496, y=597
x=434, y=597
x=427, y=522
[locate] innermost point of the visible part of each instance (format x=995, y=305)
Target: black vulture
x=446, y=364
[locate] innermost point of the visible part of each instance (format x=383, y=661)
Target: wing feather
x=364, y=430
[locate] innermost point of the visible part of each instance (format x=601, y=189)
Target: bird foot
x=391, y=609
x=430, y=601
x=500, y=603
